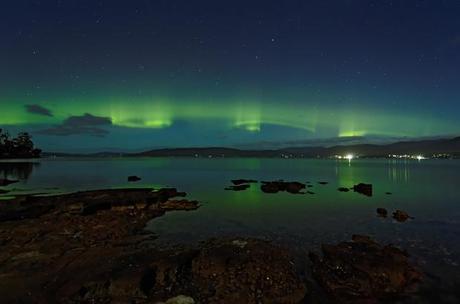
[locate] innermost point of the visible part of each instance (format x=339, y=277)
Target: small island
x=20, y=146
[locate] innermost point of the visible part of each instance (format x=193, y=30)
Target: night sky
x=93, y=75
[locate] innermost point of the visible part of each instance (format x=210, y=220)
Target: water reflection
x=17, y=170
x=398, y=171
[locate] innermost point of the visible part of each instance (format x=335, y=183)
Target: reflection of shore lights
x=349, y=156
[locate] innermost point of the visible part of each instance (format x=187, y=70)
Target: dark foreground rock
x=401, y=216
x=3, y=191
x=382, y=212
x=362, y=188
x=243, y=181
x=363, y=270
x=229, y=271
x=53, y=248
x=6, y=182
x=238, y=187
x=134, y=178
x=277, y=186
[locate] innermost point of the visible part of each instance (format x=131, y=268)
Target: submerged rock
x=243, y=181
x=343, y=189
x=6, y=182
x=382, y=212
x=362, y=188
x=238, y=187
x=134, y=178
x=401, y=216
x=388, y=193
x=323, y=183
x=363, y=270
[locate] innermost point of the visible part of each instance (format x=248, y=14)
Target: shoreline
x=91, y=246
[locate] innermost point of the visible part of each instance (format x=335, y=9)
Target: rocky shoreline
x=91, y=247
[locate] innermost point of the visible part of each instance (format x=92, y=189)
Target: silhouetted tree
x=20, y=147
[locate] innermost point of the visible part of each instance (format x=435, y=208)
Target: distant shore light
x=349, y=156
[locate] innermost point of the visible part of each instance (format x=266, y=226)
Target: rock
x=243, y=181
x=310, y=186
x=6, y=182
x=388, y=193
x=310, y=192
x=82, y=247
x=343, y=189
x=230, y=271
x=3, y=191
x=238, y=187
x=277, y=186
x=86, y=202
x=382, y=212
x=362, y=188
x=401, y=216
x=294, y=187
x=133, y=178
x=180, y=300
x=270, y=188
x=363, y=270
x=323, y=183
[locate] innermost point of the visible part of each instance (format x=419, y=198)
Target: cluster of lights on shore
x=348, y=157
x=406, y=156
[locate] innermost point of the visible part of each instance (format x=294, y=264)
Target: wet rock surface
x=362, y=188
x=364, y=271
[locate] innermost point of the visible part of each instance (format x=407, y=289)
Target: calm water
x=428, y=190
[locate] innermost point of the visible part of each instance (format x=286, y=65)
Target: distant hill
x=423, y=147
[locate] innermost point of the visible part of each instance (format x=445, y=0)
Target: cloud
x=38, y=109
x=86, y=124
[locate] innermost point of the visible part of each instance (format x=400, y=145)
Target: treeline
x=21, y=146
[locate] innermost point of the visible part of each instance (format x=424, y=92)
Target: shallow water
x=428, y=190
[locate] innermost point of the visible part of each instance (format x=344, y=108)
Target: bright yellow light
x=349, y=156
